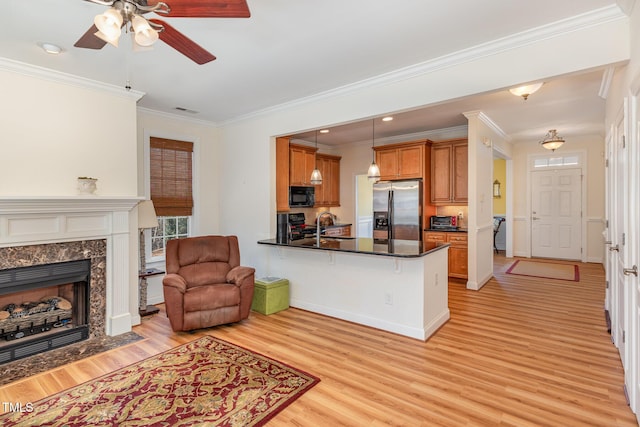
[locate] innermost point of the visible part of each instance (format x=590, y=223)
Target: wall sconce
x=496, y=189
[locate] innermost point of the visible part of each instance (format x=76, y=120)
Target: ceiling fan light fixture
x=525, y=91
x=109, y=23
x=144, y=34
x=111, y=40
x=552, y=141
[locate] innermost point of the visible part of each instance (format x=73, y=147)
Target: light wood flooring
x=520, y=352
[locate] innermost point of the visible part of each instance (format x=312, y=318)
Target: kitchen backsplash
x=453, y=211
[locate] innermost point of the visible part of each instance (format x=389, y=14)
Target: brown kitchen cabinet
x=282, y=174
x=458, y=251
x=328, y=193
x=449, y=175
x=302, y=161
x=401, y=161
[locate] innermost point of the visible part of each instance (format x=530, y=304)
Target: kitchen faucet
x=318, y=227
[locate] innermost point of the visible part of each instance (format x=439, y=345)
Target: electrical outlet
x=388, y=298
x=460, y=215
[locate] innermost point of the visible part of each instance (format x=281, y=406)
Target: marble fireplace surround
x=54, y=229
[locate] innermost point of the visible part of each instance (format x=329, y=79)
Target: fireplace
x=43, y=307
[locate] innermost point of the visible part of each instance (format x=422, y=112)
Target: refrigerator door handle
x=391, y=218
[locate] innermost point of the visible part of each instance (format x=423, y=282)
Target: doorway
x=556, y=202
x=556, y=213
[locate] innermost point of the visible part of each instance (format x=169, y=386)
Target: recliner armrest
x=175, y=281
x=238, y=274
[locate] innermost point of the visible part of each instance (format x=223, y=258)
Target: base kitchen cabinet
x=458, y=256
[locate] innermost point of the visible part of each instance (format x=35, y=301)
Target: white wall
x=483, y=134
x=55, y=128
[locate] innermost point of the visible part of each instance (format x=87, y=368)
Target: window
x=169, y=227
x=171, y=190
x=552, y=162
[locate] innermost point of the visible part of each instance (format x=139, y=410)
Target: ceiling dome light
x=552, y=141
x=525, y=91
x=51, y=48
x=145, y=35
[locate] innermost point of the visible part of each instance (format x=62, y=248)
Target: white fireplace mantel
x=34, y=220
x=32, y=204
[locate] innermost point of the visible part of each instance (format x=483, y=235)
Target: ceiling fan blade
x=183, y=44
x=89, y=40
x=206, y=8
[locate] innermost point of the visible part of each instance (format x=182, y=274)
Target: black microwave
x=301, y=197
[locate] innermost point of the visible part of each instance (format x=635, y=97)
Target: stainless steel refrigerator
x=397, y=210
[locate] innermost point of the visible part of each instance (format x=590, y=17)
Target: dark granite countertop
x=394, y=248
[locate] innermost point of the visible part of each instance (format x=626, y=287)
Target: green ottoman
x=270, y=295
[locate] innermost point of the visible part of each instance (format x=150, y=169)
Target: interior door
x=610, y=214
x=556, y=214
x=618, y=246
x=632, y=375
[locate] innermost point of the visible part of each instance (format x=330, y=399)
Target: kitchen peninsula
x=398, y=286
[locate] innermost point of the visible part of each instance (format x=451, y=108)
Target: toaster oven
x=439, y=222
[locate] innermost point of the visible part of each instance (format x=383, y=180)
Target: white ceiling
x=291, y=49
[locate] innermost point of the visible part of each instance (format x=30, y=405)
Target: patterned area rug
x=205, y=382
x=547, y=270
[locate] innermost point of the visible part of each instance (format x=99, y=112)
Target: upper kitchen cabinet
x=449, y=175
x=328, y=193
x=401, y=161
x=302, y=161
x=282, y=174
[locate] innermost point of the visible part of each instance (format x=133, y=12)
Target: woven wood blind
x=171, y=177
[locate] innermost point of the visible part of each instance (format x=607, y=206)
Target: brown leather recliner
x=205, y=284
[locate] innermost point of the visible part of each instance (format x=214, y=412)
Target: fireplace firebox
x=43, y=307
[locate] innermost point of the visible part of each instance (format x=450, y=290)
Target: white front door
x=556, y=214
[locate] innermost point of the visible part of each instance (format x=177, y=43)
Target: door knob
x=614, y=248
x=629, y=271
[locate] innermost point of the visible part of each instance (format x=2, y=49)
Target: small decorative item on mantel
x=87, y=185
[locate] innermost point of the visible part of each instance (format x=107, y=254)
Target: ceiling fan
x=107, y=26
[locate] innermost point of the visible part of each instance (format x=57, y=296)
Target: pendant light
x=552, y=141
x=316, y=176
x=374, y=171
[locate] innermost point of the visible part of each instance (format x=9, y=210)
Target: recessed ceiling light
x=51, y=48
x=324, y=131
x=387, y=119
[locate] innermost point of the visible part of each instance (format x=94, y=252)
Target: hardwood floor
x=522, y=351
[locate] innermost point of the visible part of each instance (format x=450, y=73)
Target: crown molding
x=605, y=84
x=42, y=73
x=548, y=31
x=488, y=122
